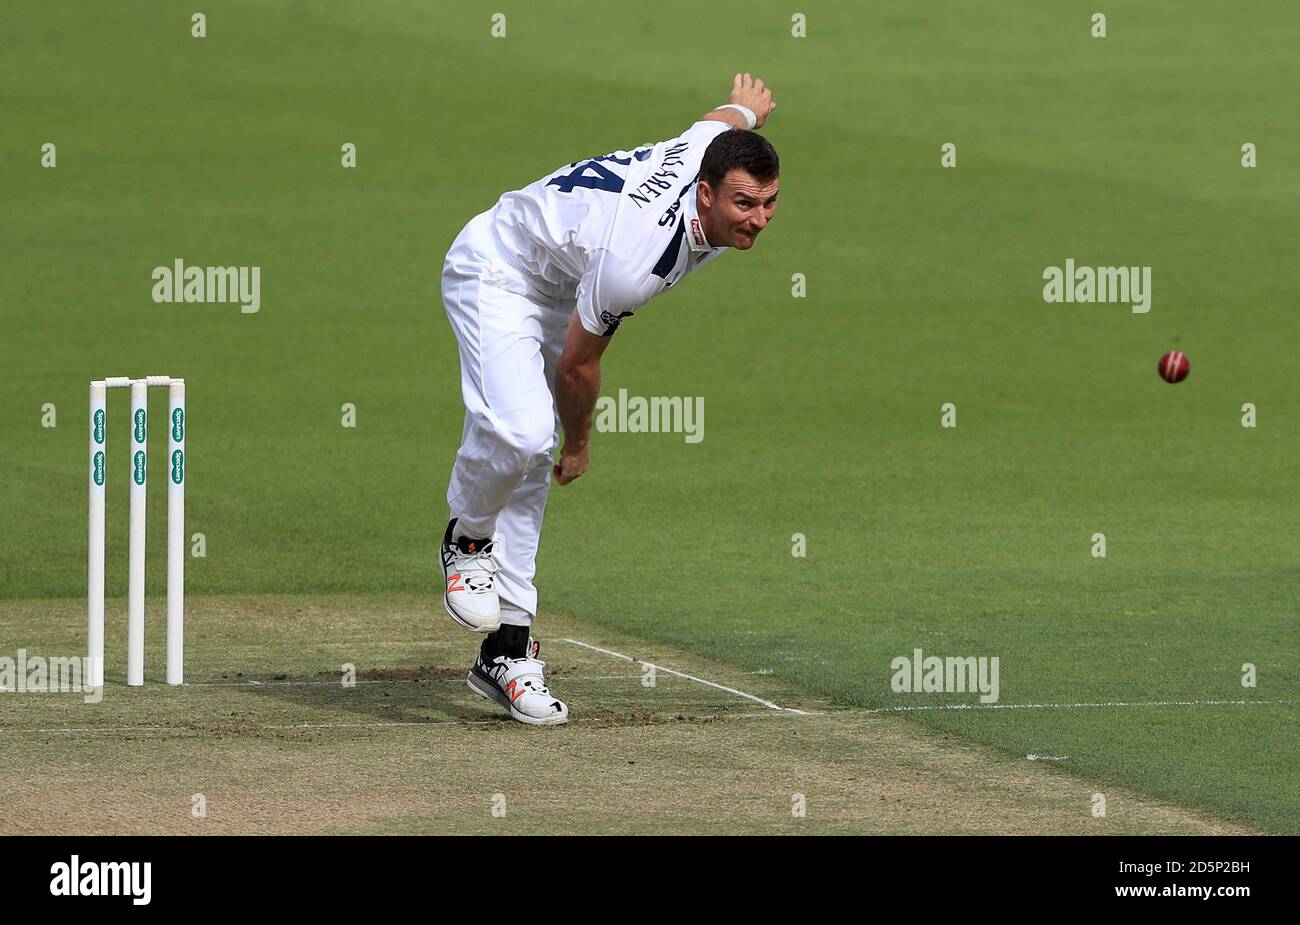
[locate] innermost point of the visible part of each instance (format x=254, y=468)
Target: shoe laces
x=480, y=560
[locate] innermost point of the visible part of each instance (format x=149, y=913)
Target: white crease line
x=1076, y=706
x=459, y=679
x=729, y=690
x=500, y=720
x=94, y=729
x=436, y=722
x=113, y=729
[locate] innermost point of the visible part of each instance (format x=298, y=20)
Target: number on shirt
x=603, y=179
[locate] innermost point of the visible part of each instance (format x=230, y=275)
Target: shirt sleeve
x=705, y=131
x=608, y=293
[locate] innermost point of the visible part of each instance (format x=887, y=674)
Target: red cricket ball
x=1173, y=366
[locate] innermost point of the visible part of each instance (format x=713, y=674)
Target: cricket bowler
x=534, y=289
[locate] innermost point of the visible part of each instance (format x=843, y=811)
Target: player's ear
x=706, y=194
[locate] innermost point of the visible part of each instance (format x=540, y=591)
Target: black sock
x=510, y=641
x=464, y=543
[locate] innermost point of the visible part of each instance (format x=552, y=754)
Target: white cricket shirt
x=612, y=231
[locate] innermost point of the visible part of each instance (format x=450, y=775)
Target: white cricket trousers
x=510, y=344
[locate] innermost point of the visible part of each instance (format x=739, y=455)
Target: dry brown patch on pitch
x=728, y=774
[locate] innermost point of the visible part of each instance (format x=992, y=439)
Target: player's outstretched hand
x=752, y=94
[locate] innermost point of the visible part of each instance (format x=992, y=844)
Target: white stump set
x=175, y=527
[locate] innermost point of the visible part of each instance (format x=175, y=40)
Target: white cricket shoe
x=470, y=594
x=517, y=685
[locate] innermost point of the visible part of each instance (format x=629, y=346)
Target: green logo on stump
x=137, y=471
x=178, y=467
x=97, y=473
x=140, y=429
x=98, y=432
x=178, y=425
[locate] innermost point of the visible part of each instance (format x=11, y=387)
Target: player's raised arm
x=747, y=93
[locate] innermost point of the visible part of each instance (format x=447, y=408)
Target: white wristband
x=743, y=110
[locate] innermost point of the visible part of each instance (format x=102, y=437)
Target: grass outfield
x=822, y=414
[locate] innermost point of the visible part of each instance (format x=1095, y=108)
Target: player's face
x=740, y=210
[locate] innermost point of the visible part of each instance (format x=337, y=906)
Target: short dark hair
x=741, y=148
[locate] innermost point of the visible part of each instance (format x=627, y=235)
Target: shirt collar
x=694, y=224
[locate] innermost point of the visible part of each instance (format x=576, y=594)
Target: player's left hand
x=571, y=465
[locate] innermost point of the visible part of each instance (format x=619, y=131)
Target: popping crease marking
x=729, y=690
x=1077, y=706
x=459, y=679
x=288, y=727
